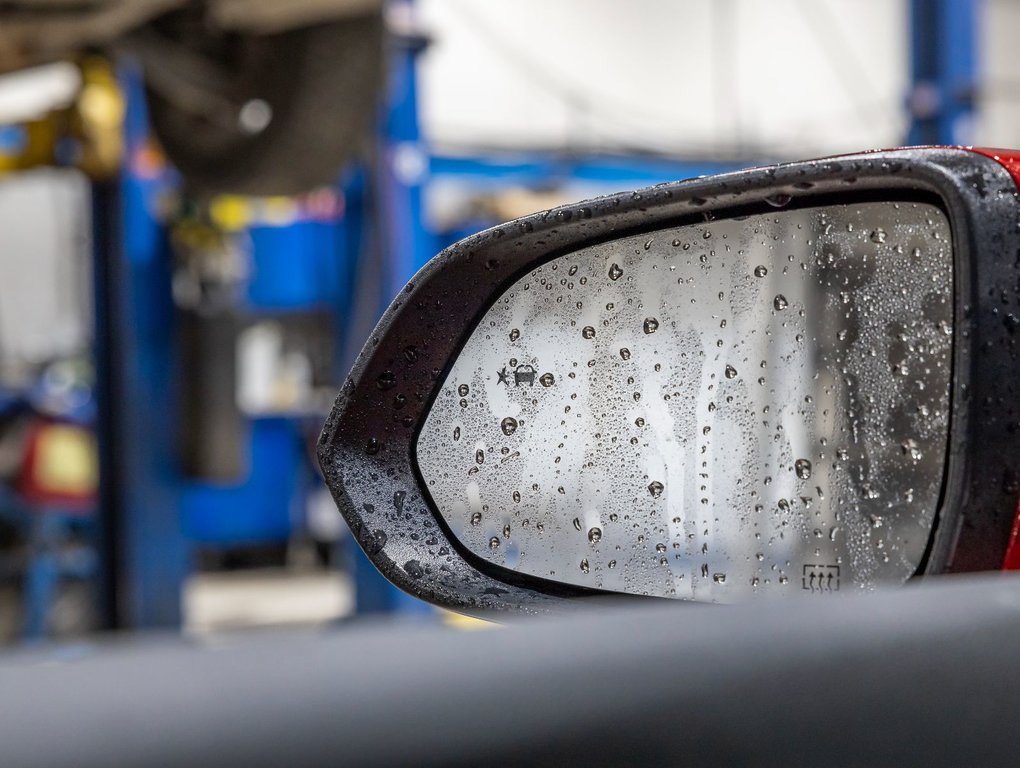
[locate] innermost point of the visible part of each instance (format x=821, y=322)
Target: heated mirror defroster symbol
x=524, y=374
x=820, y=578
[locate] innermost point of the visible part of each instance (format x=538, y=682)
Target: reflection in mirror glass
x=738, y=406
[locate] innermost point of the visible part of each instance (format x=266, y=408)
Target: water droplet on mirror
x=480, y=456
x=719, y=578
x=803, y=468
x=615, y=272
x=660, y=548
x=655, y=488
x=910, y=448
x=463, y=390
x=476, y=518
x=878, y=236
x=760, y=271
x=456, y=433
x=731, y=372
x=588, y=332
x=493, y=543
x=611, y=564
x=778, y=200
x=515, y=334
x=517, y=497
x=577, y=524
x=625, y=353
x=594, y=535
x=386, y=380
x=584, y=565
x=651, y=325
x=780, y=302
x=506, y=531
x=508, y=425
x=639, y=422
x=372, y=446
x=547, y=380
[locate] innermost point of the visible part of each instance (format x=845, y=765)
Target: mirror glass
x=755, y=405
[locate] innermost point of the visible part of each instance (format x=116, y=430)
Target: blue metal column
x=406, y=244
x=943, y=70
x=151, y=549
x=403, y=245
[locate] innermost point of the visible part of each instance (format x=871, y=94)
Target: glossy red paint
x=1012, y=560
x=1008, y=158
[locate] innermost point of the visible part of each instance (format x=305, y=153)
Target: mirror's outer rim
x=367, y=446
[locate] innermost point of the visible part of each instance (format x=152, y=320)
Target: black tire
x=322, y=85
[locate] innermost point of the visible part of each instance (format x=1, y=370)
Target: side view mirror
x=799, y=379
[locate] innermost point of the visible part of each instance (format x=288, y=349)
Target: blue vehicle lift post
x=944, y=70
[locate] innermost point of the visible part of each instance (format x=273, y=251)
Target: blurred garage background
x=205, y=206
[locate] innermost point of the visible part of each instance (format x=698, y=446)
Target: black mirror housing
x=367, y=447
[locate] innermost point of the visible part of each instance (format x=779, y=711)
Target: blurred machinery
x=247, y=96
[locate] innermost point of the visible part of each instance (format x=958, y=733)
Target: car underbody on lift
x=245, y=96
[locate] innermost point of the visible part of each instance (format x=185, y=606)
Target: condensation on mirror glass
x=753, y=405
